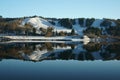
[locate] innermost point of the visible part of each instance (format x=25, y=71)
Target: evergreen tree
x=92, y=30
x=49, y=32
x=72, y=32
x=81, y=21
x=61, y=33
x=34, y=31
x=89, y=22
x=0, y=16
x=66, y=23
x=106, y=23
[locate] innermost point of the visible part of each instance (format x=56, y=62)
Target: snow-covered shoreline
x=85, y=39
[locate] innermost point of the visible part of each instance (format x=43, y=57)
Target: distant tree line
x=13, y=25
x=91, y=31
x=66, y=23
x=50, y=31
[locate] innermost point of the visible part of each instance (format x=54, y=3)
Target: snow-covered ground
x=40, y=38
x=85, y=39
x=97, y=23
x=78, y=28
x=38, y=23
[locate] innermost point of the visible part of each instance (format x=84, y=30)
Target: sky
x=61, y=8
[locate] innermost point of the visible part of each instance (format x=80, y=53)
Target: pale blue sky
x=61, y=8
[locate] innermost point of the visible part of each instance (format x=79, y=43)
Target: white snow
x=37, y=22
x=59, y=28
x=97, y=23
x=113, y=23
x=85, y=40
x=58, y=47
x=78, y=28
x=84, y=23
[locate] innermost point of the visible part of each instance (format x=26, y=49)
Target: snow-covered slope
x=78, y=28
x=38, y=23
x=97, y=22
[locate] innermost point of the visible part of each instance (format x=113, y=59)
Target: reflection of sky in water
x=60, y=62
x=60, y=70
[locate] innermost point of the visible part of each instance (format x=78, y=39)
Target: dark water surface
x=60, y=61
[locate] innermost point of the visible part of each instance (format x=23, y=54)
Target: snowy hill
x=37, y=23
x=77, y=24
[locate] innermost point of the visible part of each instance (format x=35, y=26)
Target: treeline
x=68, y=23
x=10, y=25
x=50, y=31
x=92, y=32
x=14, y=51
x=13, y=25
x=114, y=31
x=107, y=27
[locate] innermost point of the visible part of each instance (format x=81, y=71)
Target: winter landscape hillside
x=55, y=27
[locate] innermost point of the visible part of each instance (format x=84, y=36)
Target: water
x=60, y=61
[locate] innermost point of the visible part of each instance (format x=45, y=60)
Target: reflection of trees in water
x=91, y=47
x=49, y=46
x=12, y=51
x=15, y=50
x=65, y=55
x=106, y=51
x=113, y=48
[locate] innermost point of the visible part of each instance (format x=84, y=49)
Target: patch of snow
x=37, y=22
x=113, y=23
x=78, y=29
x=86, y=40
x=97, y=22
x=84, y=23
x=59, y=29
x=58, y=47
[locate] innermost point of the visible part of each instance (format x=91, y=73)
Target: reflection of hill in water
x=63, y=51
